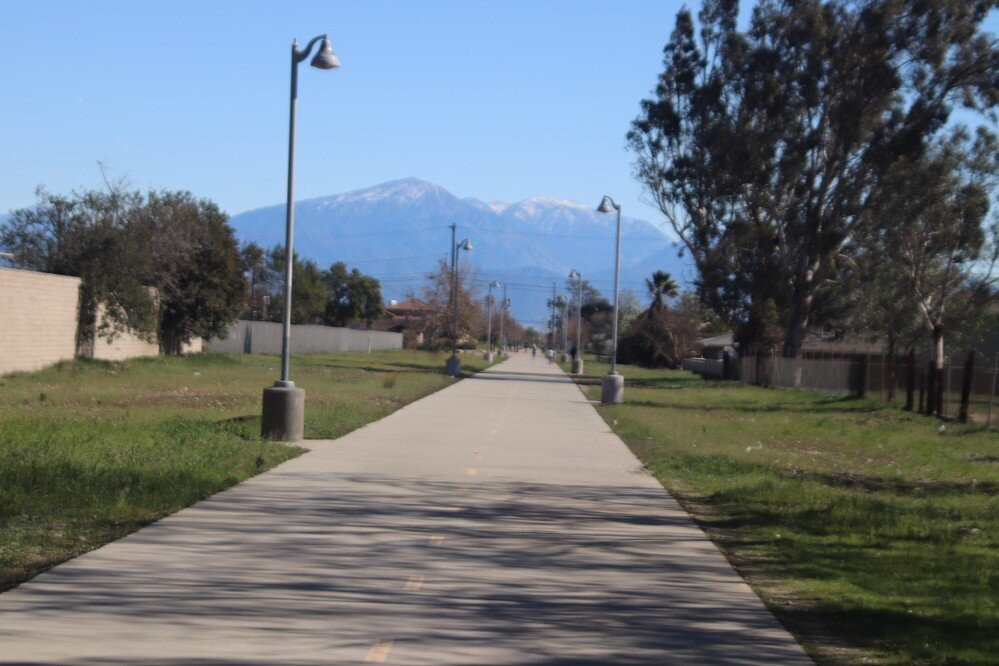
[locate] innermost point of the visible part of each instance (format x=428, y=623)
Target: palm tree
x=661, y=286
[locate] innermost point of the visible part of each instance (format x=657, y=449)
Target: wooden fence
x=876, y=376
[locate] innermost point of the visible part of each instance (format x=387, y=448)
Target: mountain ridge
x=396, y=230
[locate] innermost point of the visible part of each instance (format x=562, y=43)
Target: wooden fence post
x=862, y=377
x=969, y=371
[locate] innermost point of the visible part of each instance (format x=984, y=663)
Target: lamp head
x=606, y=205
x=494, y=283
x=465, y=245
x=325, y=58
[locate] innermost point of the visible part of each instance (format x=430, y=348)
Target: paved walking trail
x=497, y=521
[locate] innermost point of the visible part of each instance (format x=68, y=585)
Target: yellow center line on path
x=454, y=508
x=379, y=651
x=436, y=540
x=472, y=471
x=414, y=583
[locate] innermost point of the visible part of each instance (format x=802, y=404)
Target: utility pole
x=551, y=327
x=502, y=340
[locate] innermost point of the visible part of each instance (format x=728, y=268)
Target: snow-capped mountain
x=397, y=231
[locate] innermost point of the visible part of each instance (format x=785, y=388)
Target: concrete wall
x=126, y=345
x=38, y=324
x=37, y=319
x=264, y=337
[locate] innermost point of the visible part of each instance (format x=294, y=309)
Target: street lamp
x=612, y=384
x=284, y=404
x=453, y=366
x=577, y=358
x=489, y=320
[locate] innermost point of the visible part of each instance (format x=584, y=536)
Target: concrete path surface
x=498, y=521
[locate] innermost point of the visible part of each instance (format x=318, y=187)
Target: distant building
x=815, y=345
x=410, y=314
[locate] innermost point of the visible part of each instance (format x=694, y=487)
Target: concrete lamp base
x=453, y=366
x=577, y=366
x=283, y=414
x=488, y=356
x=612, y=390
x=565, y=357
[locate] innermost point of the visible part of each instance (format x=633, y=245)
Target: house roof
x=408, y=307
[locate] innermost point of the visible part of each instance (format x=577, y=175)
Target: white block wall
x=37, y=319
x=264, y=337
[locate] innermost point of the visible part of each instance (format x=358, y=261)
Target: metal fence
x=879, y=377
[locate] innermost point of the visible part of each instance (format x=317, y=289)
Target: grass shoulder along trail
x=91, y=451
x=871, y=532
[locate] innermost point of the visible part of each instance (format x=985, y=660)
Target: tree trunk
x=939, y=361
x=931, y=383
x=910, y=378
x=86, y=323
x=796, y=330
x=170, y=344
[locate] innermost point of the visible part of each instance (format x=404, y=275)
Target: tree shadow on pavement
x=512, y=573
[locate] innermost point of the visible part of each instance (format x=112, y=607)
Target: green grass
x=873, y=536
x=90, y=451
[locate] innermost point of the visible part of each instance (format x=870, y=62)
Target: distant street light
x=284, y=404
x=577, y=358
x=612, y=384
x=489, y=320
x=453, y=366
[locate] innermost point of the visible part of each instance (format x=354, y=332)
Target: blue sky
x=496, y=100
x=499, y=101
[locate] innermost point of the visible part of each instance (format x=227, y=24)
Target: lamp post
x=489, y=320
x=612, y=384
x=283, y=415
x=577, y=358
x=453, y=366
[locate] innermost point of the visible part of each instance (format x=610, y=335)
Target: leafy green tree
x=352, y=296
x=927, y=260
x=195, y=266
x=708, y=322
x=90, y=235
x=764, y=148
x=254, y=265
x=308, y=289
x=160, y=265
